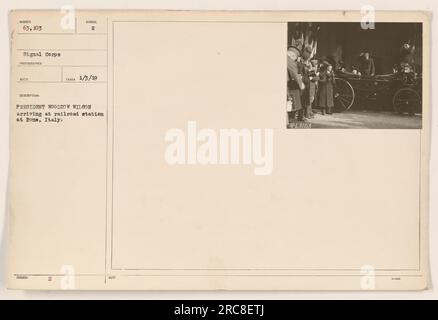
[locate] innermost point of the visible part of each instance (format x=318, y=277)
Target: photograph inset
x=341, y=75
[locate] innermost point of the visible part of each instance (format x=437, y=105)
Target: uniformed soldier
x=294, y=84
x=310, y=78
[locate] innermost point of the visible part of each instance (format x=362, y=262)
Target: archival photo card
x=153, y=150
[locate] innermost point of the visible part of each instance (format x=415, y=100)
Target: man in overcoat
x=294, y=83
x=366, y=64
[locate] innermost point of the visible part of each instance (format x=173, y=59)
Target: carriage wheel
x=344, y=95
x=406, y=99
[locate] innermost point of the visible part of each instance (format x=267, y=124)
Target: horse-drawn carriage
x=401, y=90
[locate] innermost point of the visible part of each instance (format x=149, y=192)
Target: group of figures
x=310, y=85
x=365, y=63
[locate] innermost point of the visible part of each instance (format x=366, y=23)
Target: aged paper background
x=388, y=251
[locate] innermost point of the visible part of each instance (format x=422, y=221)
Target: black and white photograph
x=347, y=75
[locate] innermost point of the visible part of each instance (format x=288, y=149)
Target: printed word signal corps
x=32, y=54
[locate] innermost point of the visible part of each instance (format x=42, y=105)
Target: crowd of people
x=310, y=84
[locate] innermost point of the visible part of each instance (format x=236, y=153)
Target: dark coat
x=325, y=90
x=407, y=55
x=366, y=67
x=293, y=84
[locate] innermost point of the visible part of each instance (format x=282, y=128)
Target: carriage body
x=400, y=90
